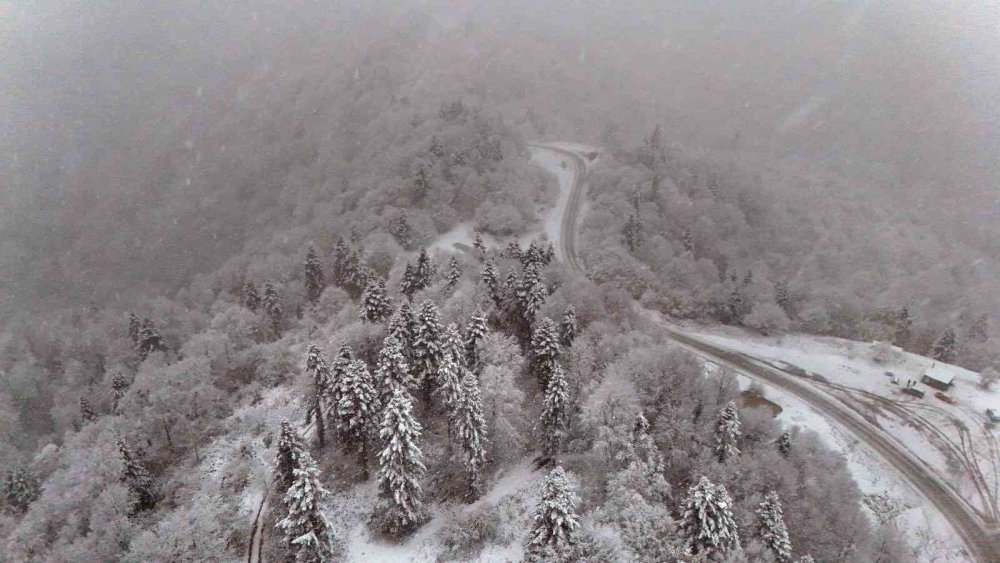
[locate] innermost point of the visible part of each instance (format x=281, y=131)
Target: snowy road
x=981, y=537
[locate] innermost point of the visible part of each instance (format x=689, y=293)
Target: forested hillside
x=217, y=287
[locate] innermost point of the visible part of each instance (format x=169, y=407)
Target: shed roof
x=942, y=373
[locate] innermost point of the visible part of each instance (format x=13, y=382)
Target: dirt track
x=982, y=538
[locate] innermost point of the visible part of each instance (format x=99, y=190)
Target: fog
x=449, y=280
x=902, y=94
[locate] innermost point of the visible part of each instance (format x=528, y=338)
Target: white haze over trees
x=217, y=283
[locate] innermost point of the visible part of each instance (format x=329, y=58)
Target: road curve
x=981, y=538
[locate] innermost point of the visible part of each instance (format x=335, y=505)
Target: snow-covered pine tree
x=308, y=534
x=427, y=345
x=376, y=305
x=474, y=334
x=470, y=430
x=400, y=507
x=491, y=279
x=452, y=344
x=357, y=411
x=555, y=413
x=435, y=149
x=425, y=271
x=86, y=412
x=273, y=307
x=134, y=326
x=19, y=489
x=531, y=294
x=508, y=293
x=945, y=347
x=313, y=276
x=544, y=350
x=569, y=327
x=150, y=339
x=513, y=251
x=286, y=459
x=323, y=386
x=707, y=520
x=806, y=559
x=135, y=476
x=782, y=297
x=408, y=285
x=448, y=389
x=454, y=273
x=633, y=232
x=391, y=370
x=251, y=299
x=401, y=326
x=479, y=245
x=727, y=433
x=736, y=306
x=785, y=443
x=643, y=445
x=771, y=527
x=119, y=385
x=341, y=258
x=555, y=522
x=687, y=240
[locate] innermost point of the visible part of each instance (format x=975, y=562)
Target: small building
x=916, y=392
x=993, y=415
x=938, y=377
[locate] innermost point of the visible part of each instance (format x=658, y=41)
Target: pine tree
x=323, y=387
x=134, y=326
x=785, y=443
x=513, y=251
x=556, y=524
x=555, y=413
x=251, y=299
x=400, y=507
x=313, y=276
x=436, y=150
x=736, y=306
x=308, y=533
x=401, y=231
x=479, y=245
x=687, y=240
x=357, y=410
x=19, y=489
x=707, y=520
x=782, y=297
x=135, y=476
x=448, y=389
x=771, y=527
x=470, y=432
x=391, y=370
x=341, y=260
x=425, y=271
x=454, y=273
x=427, y=344
x=569, y=327
x=149, y=339
x=375, y=304
x=273, y=307
x=338, y=370
x=633, y=232
x=727, y=432
x=491, y=279
x=544, y=350
x=904, y=326
x=531, y=294
x=400, y=326
x=944, y=349
x=806, y=559
x=286, y=460
x=408, y=286
x=119, y=385
x=421, y=185
x=86, y=412
x=474, y=334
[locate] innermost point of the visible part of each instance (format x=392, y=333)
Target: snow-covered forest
x=229, y=331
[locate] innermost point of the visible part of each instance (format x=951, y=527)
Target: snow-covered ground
x=952, y=439
x=518, y=482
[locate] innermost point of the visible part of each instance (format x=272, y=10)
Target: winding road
x=981, y=537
